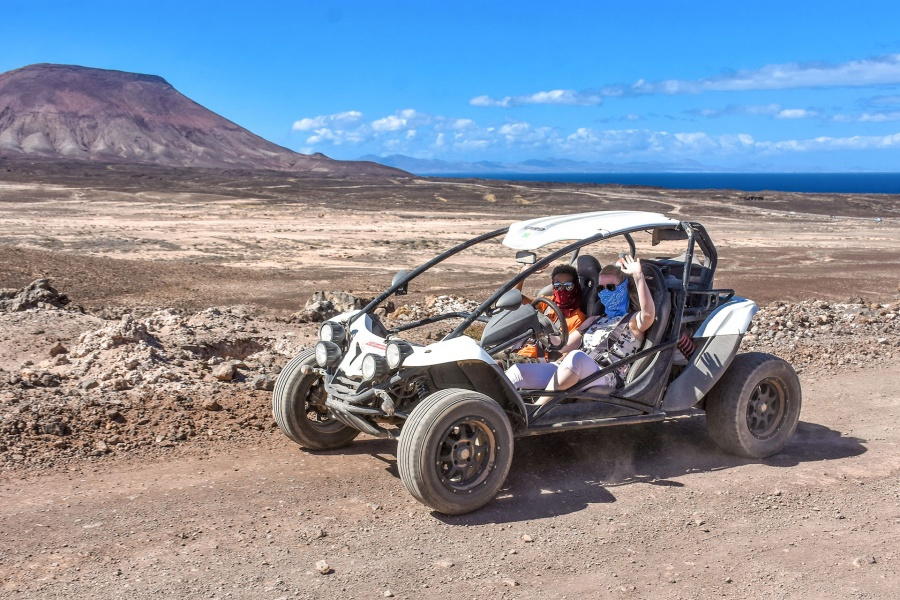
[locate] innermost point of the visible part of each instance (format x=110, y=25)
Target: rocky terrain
x=145, y=314
x=131, y=381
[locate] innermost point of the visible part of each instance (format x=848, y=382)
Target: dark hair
x=565, y=270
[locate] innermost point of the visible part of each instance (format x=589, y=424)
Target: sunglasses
x=568, y=286
x=610, y=287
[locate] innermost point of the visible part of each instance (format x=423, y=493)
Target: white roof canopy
x=536, y=233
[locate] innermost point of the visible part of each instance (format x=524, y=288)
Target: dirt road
x=643, y=511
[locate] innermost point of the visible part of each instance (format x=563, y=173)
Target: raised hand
x=630, y=266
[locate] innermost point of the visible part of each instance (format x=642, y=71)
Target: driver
x=566, y=295
x=600, y=340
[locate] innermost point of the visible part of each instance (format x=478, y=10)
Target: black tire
x=298, y=405
x=455, y=451
x=754, y=408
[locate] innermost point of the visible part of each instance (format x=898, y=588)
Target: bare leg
x=563, y=379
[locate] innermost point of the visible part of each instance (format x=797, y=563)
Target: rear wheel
x=298, y=405
x=754, y=409
x=455, y=451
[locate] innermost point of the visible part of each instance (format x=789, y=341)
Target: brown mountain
x=71, y=112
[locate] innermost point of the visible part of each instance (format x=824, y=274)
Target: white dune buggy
x=456, y=413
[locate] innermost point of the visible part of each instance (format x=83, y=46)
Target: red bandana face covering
x=568, y=301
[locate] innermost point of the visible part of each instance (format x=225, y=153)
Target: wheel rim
x=466, y=455
x=318, y=416
x=767, y=408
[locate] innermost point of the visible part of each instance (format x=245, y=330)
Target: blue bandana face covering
x=616, y=302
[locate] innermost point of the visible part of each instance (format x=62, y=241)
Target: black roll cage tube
x=424, y=267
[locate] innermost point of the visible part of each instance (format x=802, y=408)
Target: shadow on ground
x=563, y=473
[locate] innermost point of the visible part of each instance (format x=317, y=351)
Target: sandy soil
x=650, y=511
x=183, y=499
x=199, y=238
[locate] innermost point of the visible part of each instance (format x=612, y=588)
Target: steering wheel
x=560, y=327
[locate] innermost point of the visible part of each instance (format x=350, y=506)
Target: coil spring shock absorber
x=422, y=388
x=686, y=345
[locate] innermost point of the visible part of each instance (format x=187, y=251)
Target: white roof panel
x=536, y=233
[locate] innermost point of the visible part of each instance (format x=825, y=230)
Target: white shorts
x=536, y=376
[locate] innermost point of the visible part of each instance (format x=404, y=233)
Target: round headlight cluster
x=328, y=354
x=396, y=353
x=332, y=331
x=374, y=367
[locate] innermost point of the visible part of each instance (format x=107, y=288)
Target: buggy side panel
x=458, y=349
x=707, y=365
x=733, y=317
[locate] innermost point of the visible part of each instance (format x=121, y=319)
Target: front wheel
x=754, y=409
x=455, y=451
x=298, y=405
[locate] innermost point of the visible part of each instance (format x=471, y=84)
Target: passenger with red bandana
x=566, y=295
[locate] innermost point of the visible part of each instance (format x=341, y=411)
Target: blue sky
x=751, y=85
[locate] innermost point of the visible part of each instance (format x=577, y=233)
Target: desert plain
x=130, y=465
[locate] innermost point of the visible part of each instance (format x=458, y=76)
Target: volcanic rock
x=38, y=293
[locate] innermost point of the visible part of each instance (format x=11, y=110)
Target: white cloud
x=420, y=134
x=857, y=142
x=736, y=109
x=795, y=113
x=857, y=73
x=308, y=124
x=525, y=133
x=879, y=117
x=391, y=123
x=766, y=110
x=349, y=117
x=639, y=144
x=881, y=70
x=559, y=97
x=867, y=117
x=337, y=137
x=460, y=124
x=488, y=101
x=565, y=97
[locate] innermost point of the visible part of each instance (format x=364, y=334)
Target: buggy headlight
x=328, y=354
x=396, y=353
x=374, y=367
x=331, y=331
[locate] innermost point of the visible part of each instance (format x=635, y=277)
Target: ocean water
x=837, y=183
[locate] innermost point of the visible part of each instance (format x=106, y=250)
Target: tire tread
x=291, y=423
x=410, y=453
x=724, y=415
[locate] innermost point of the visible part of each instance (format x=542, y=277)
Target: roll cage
x=694, y=233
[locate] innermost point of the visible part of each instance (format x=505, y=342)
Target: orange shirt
x=577, y=318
